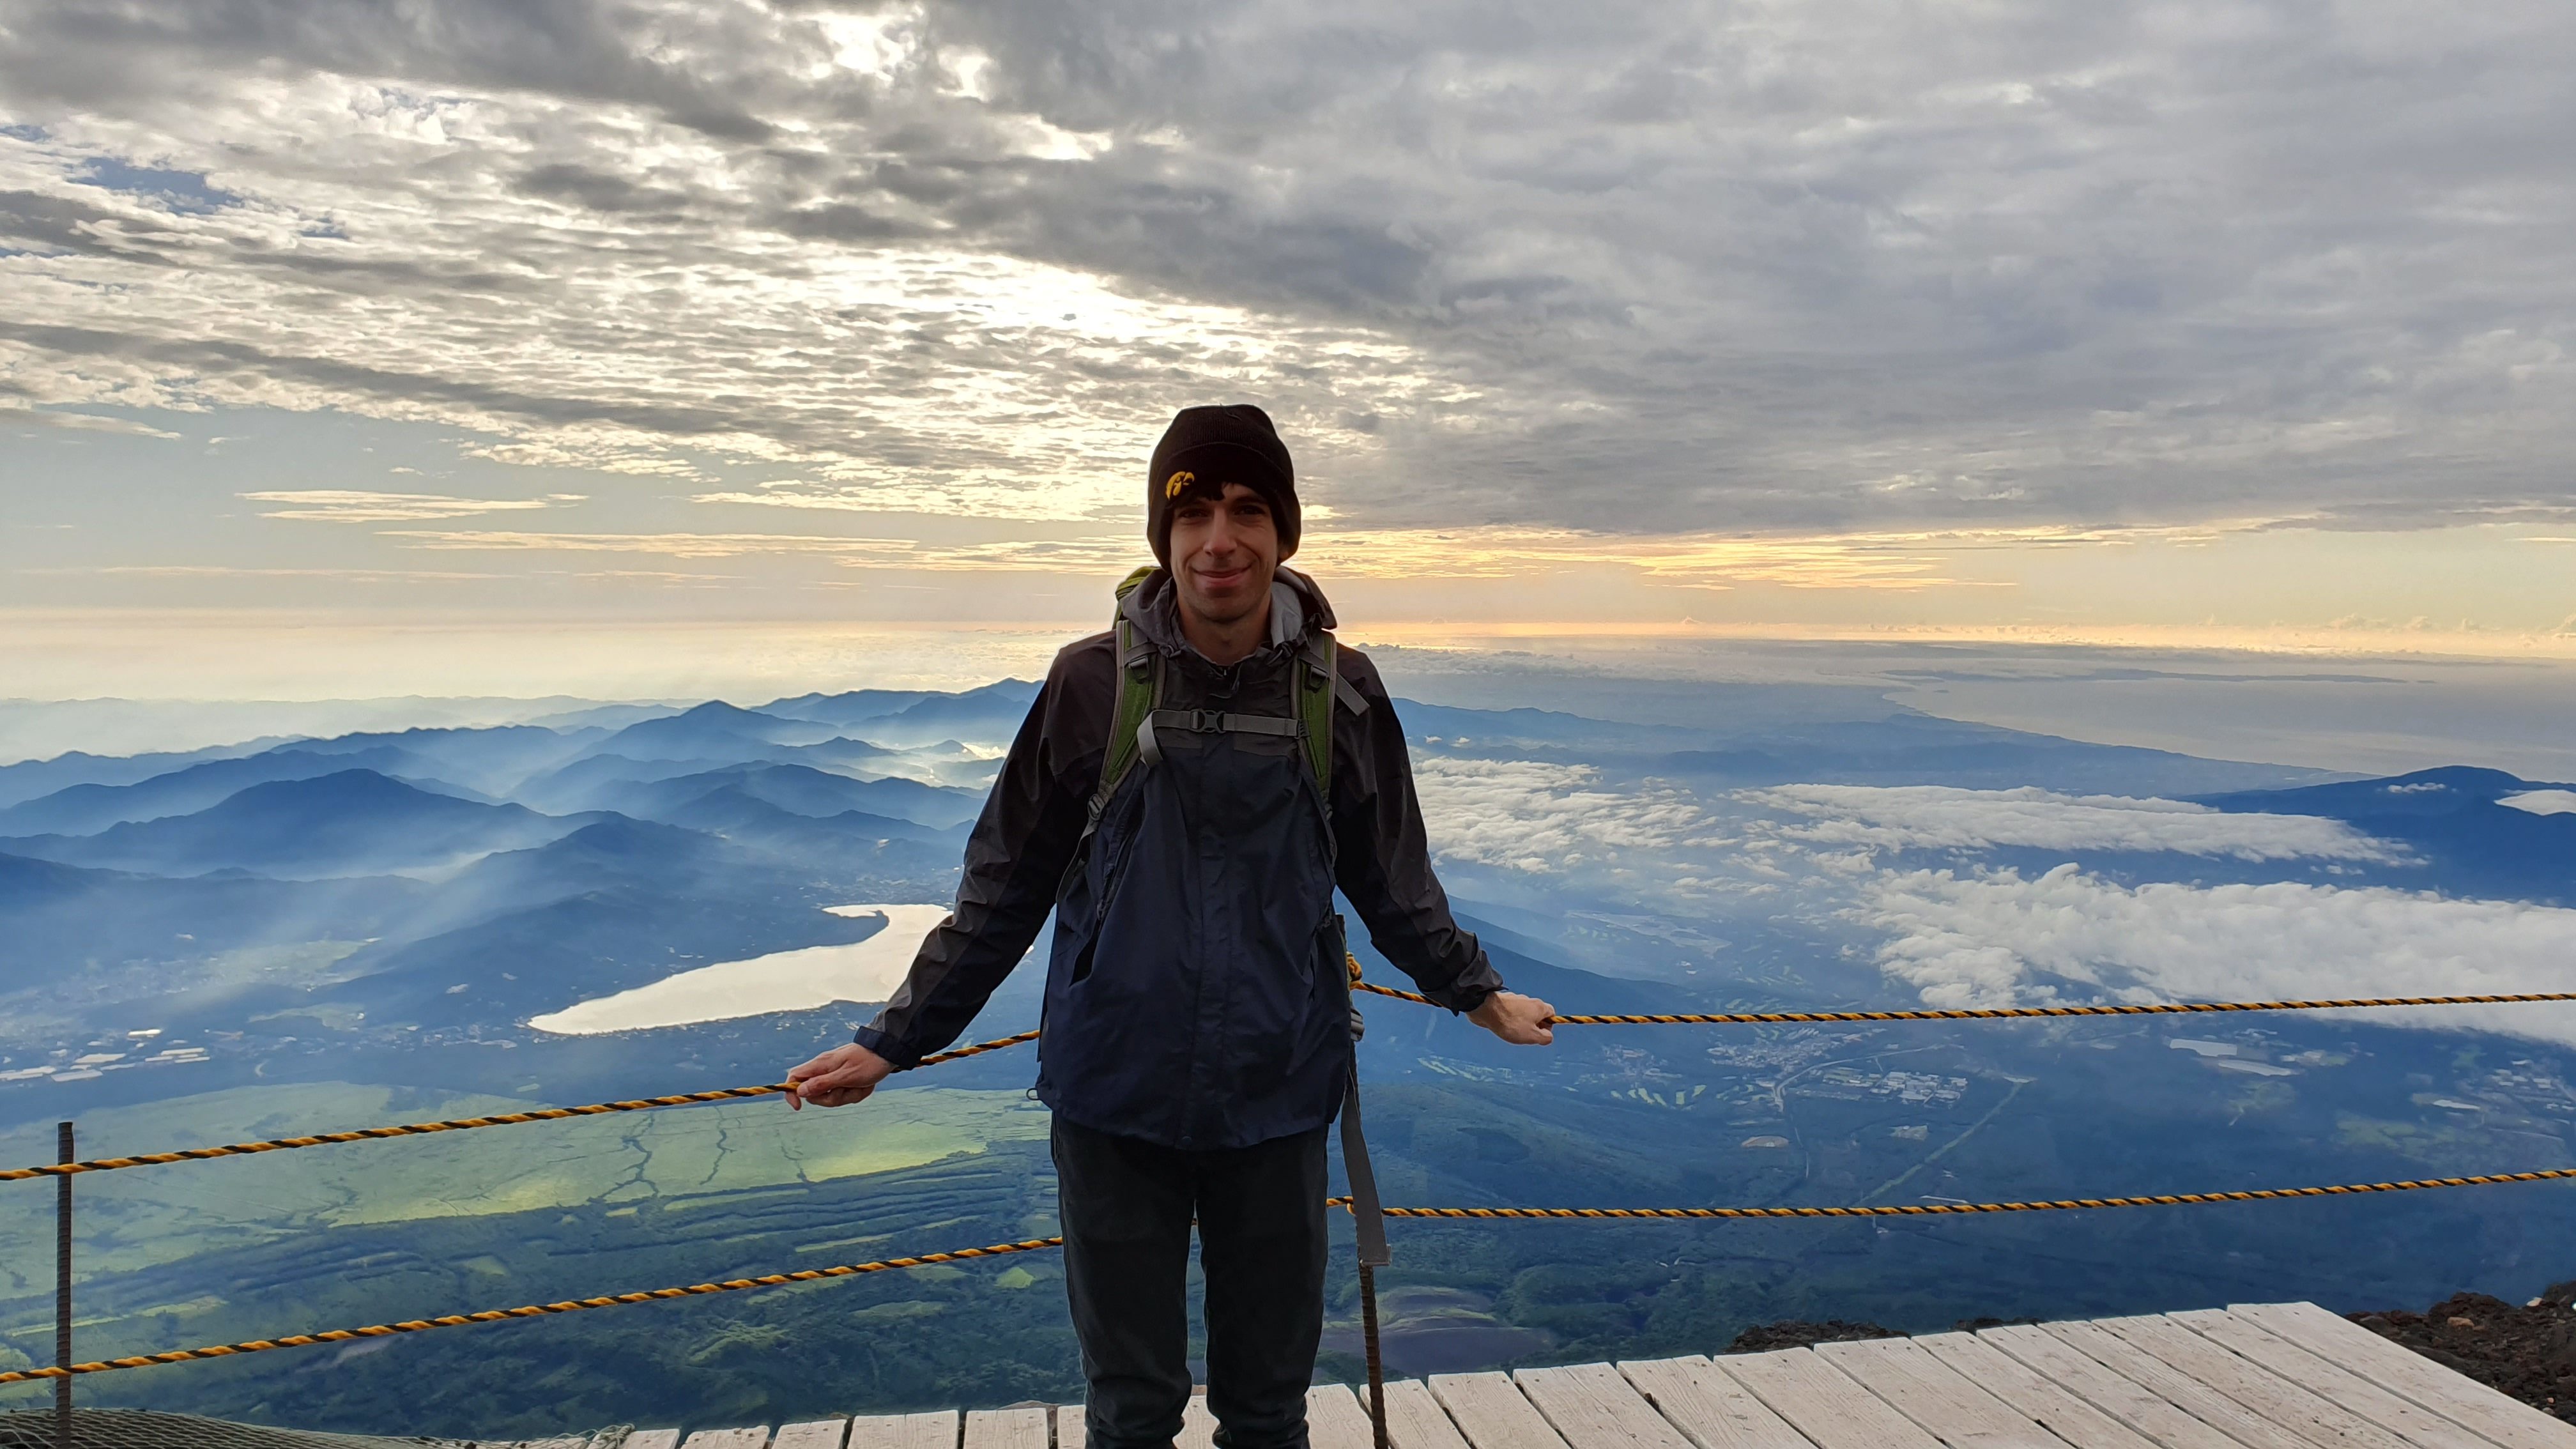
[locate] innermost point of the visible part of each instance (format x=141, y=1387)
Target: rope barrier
x=532, y=1310
x=459, y=1124
x=1937, y=1209
x=1735, y=1018
x=1031, y=1245
x=1992, y=1013
x=548, y=1114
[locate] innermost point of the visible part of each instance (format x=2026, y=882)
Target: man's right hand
x=837, y=1078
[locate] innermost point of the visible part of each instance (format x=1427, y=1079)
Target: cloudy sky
x=2213, y=321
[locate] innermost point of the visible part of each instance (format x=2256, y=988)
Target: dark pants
x=1127, y=1206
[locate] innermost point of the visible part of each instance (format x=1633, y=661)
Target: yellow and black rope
x=457, y=1124
x=532, y=1310
x=1999, y=1013
x=1733, y=1018
x=1960, y=1209
x=1030, y=1245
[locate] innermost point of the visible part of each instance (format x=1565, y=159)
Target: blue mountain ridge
x=714, y=728
x=2470, y=844
x=351, y=822
x=491, y=759
x=28, y=779
x=88, y=808
x=911, y=808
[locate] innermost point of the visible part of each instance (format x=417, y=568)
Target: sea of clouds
x=1972, y=932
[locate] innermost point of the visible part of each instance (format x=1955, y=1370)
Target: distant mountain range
x=244, y=940
x=353, y=822
x=2452, y=818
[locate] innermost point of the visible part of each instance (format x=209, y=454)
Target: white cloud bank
x=352, y=505
x=1940, y=817
x=1531, y=816
x=2543, y=802
x=1976, y=941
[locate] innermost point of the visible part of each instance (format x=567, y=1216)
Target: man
x=1197, y=1008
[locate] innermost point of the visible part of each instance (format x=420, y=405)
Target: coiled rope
x=458, y=1124
x=1995, y=1013
x=1031, y=1245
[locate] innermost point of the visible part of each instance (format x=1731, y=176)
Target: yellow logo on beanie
x=1179, y=480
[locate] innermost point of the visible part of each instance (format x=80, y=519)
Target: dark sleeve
x=1019, y=849
x=1382, y=861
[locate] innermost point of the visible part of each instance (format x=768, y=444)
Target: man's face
x=1224, y=553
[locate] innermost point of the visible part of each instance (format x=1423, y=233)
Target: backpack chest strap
x=1208, y=721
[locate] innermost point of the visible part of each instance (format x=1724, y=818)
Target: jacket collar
x=1297, y=608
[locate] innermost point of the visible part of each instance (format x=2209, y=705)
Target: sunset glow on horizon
x=645, y=323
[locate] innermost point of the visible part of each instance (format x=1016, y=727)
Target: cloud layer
x=1940, y=817
x=357, y=505
x=1632, y=267
x=1528, y=815
x=1978, y=940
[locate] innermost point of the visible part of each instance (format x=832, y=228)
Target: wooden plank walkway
x=2255, y=1376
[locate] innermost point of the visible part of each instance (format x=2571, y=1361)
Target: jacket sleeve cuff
x=886, y=1046
x=1471, y=988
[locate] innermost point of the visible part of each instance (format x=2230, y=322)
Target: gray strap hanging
x=1366, y=1211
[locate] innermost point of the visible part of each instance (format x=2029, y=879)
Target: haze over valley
x=596, y=901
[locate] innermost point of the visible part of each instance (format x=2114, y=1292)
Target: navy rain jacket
x=1196, y=996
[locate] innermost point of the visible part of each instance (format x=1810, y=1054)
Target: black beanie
x=1205, y=449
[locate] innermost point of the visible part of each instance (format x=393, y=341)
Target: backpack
x=1138, y=714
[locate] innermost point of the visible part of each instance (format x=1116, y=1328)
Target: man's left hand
x=1520, y=1020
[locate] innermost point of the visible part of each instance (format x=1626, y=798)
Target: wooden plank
x=2198, y=1419
x=752, y=1438
x=1592, y=1407
x=653, y=1439
x=1935, y=1397
x=1336, y=1418
x=2409, y=1374
x=2172, y=1385
x=1198, y=1426
x=817, y=1434
x=2266, y=1393
x=1822, y=1401
x=1491, y=1412
x=935, y=1430
x=2044, y=1403
x=1415, y=1420
x=1069, y=1430
x=2345, y=1390
x=1712, y=1410
x=1024, y=1428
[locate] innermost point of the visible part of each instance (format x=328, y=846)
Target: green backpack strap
x=1315, y=693
x=1138, y=682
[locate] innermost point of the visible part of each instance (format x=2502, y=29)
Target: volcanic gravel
x=1792, y=1333
x=2528, y=1352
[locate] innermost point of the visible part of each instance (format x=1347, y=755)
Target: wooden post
x=63, y=1290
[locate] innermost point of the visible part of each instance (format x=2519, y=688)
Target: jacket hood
x=1297, y=608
